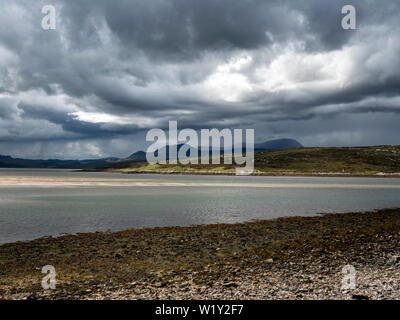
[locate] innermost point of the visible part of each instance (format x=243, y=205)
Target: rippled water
x=35, y=203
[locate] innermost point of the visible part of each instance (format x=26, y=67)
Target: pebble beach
x=285, y=258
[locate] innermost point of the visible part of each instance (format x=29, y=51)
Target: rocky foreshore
x=285, y=258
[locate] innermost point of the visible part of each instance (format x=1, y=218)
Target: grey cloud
x=154, y=61
x=70, y=124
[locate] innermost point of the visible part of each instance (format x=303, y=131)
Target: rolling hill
x=139, y=156
x=272, y=158
x=339, y=160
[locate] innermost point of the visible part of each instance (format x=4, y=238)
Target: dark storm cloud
x=70, y=124
x=185, y=29
x=113, y=69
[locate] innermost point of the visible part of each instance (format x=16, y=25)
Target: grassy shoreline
x=378, y=161
x=285, y=258
x=267, y=174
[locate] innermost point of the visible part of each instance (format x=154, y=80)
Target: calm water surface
x=35, y=203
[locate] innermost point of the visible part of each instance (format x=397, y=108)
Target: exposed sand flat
x=94, y=182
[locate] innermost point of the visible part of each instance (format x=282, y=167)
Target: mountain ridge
x=7, y=161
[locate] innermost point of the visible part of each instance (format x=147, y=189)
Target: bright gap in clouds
x=97, y=117
x=289, y=70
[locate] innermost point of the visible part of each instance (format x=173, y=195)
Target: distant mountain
x=278, y=144
x=9, y=162
x=139, y=156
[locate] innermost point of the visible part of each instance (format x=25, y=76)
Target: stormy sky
x=111, y=70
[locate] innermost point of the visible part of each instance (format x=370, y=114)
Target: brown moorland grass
x=343, y=160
